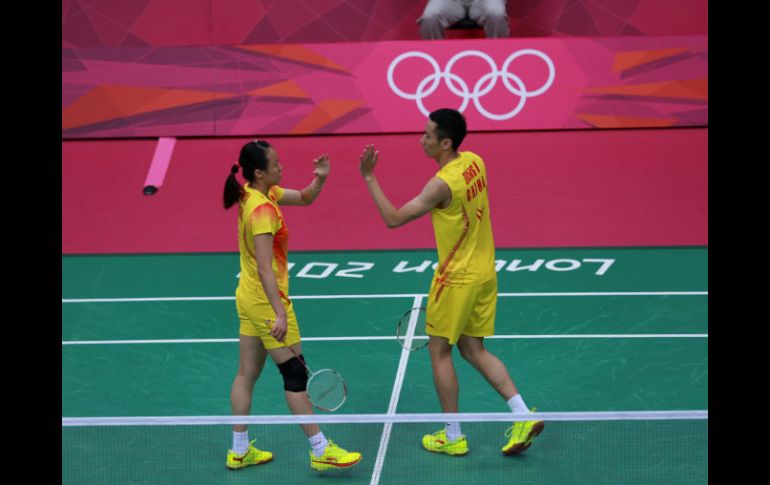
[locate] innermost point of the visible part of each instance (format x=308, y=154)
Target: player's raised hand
x=368, y=161
x=322, y=166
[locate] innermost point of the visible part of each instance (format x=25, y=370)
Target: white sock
x=240, y=442
x=318, y=443
x=453, y=431
x=516, y=403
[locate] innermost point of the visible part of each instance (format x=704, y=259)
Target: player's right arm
x=263, y=250
x=436, y=193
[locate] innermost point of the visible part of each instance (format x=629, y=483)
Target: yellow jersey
x=463, y=231
x=258, y=214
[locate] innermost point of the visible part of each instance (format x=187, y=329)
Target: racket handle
x=302, y=360
x=293, y=352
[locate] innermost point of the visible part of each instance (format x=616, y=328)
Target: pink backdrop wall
x=134, y=23
x=385, y=87
x=547, y=189
x=558, y=188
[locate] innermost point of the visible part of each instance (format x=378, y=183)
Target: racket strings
x=327, y=390
x=419, y=338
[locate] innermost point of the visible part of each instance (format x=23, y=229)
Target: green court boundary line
x=383, y=418
x=395, y=295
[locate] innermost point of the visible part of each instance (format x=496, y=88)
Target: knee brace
x=294, y=375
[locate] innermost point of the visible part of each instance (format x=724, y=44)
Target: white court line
x=385, y=438
x=225, y=298
x=611, y=293
x=379, y=337
x=382, y=418
x=401, y=295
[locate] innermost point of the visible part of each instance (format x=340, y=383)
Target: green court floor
x=602, y=329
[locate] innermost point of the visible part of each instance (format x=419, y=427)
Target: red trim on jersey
x=466, y=228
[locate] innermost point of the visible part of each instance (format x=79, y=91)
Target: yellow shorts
x=462, y=310
x=253, y=315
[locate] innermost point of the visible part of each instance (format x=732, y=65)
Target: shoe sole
x=447, y=453
x=250, y=464
x=337, y=467
x=519, y=448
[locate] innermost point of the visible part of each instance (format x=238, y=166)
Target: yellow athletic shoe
x=521, y=435
x=251, y=457
x=438, y=443
x=335, y=458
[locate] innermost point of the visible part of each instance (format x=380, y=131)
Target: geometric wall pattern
x=143, y=23
x=620, y=82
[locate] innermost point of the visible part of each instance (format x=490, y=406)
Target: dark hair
x=450, y=123
x=253, y=156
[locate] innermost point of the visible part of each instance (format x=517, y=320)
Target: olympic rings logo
x=427, y=86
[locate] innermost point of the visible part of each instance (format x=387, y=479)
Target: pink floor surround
x=547, y=189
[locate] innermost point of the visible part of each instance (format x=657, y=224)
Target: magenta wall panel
x=130, y=23
x=298, y=89
x=547, y=189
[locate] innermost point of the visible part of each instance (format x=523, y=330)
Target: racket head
x=327, y=390
x=419, y=339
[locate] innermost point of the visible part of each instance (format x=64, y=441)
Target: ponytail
x=233, y=190
x=253, y=157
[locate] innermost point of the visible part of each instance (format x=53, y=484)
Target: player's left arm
x=436, y=193
x=307, y=195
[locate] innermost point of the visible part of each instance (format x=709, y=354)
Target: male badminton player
x=463, y=293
